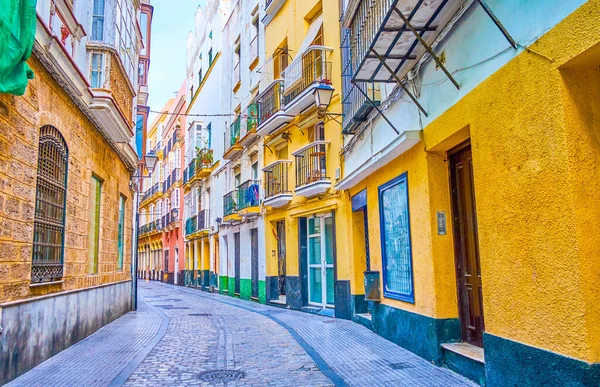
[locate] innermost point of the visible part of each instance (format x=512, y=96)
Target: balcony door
x=320, y=261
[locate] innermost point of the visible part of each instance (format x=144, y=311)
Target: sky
x=170, y=26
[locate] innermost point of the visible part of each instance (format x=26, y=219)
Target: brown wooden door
x=466, y=246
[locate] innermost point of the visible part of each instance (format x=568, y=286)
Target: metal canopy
x=407, y=30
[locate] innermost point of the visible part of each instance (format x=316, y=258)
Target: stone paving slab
x=99, y=358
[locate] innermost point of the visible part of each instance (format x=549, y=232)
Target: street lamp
x=150, y=160
x=323, y=94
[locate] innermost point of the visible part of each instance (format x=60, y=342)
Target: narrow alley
x=179, y=335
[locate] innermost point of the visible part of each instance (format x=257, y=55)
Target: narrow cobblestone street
x=178, y=333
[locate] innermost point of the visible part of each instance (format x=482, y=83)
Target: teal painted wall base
x=245, y=288
x=420, y=334
x=262, y=292
x=223, y=284
x=508, y=363
x=465, y=366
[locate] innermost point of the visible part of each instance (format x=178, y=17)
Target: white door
x=320, y=261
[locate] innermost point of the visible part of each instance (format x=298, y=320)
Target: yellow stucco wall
x=535, y=132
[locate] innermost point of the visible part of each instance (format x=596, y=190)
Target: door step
x=465, y=359
x=311, y=309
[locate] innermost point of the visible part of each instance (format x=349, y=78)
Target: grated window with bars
x=51, y=193
x=395, y=239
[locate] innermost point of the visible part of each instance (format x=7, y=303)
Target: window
x=121, y=231
x=144, y=28
x=94, y=234
x=50, y=202
x=96, y=70
x=280, y=59
x=209, y=130
x=255, y=171
x=395, y=240
x=125, y=35
x=98, y=20
x=210, y=57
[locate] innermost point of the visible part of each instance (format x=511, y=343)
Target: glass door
x=320, y=261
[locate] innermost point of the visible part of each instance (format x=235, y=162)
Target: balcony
x=230, y=207
x=356, y=107
x=248, y=202
x=277, y=193
x=204, y=163
x=270, y=110
x=172, y=219
x=232, y=140
x=197, y=225
x=249, y=126
x=302, y=77
x=152, y=193
x=176, y=138
x=311, y=169
x=376, y=27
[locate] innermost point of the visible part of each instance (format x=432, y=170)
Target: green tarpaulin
x=17, y=33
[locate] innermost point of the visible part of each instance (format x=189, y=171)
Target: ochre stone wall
x=119, y=87
x=45, y=103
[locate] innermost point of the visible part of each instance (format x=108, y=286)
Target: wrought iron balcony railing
x=232, y=135
x=301, y=74
x=270, y=102
x=229, y=203
x=252, y=120
x=204, y=159
x=277, y=179
x=367, y=21
x=311, y=164
x=248, y=194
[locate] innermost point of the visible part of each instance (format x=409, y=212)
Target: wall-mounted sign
x=441, y=222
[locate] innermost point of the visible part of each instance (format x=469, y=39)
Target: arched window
x=50, y=203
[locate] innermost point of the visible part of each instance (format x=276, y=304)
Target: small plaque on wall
x=441, y=222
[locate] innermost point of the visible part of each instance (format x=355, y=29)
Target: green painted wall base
x=465, y=366
x=222, y=284
x=262, y=292
x=231, y=286
x=508, y=363
x=245, y=288
x=420, y=334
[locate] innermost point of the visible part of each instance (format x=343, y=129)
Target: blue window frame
x=395, y=240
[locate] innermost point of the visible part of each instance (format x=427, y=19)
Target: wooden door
x=236, y=242
x=281, y=255
x=254, y=259
x=466, y=246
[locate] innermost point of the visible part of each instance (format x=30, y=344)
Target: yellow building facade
x=305, y=218
x=503, y=167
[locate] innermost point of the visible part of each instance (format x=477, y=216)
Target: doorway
x=254, y=260
x=466, y=246
x=281, y=256
x=236, y=256
x=320, y=261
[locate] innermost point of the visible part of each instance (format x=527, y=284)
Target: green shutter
x=121, y=237
x=94, y=235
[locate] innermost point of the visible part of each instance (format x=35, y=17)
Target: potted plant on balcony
x=205, y=156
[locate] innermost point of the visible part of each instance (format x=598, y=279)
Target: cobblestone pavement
x=207, y=332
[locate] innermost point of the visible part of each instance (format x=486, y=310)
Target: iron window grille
x=51, y=194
